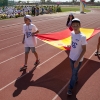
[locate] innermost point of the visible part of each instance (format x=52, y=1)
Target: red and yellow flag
x=62, y=39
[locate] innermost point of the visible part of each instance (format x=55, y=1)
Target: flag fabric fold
x=62, y=39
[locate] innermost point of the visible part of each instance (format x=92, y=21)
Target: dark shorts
x=27, y=49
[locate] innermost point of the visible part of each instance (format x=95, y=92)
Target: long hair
x=69, y=19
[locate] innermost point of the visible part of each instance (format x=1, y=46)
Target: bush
x=16, y=16
x=58, y=9
x=3, y=16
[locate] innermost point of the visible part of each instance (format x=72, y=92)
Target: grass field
x=93, y=6
x=66, y=9
x=74, y=8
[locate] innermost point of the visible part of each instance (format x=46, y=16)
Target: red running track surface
x=49, y=80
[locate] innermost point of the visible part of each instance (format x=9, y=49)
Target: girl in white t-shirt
x=69, y=21
x=29, y=40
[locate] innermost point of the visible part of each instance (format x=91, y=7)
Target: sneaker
x=23, y=68
x=96, y=53
x=37, y=62
x=69, y=92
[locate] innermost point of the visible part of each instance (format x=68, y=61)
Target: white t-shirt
x=69, y=24
x=76, y=47
x=30, y=41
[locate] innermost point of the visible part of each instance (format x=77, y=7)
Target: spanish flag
x=62, y=39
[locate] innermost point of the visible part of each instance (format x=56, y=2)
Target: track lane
x=51, y=74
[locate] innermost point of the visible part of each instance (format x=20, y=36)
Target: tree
x=48, y=0
x=42, y=1
x=92, y=1
x=3, y=2
x=19, y=1
x=74, y=1
x=28, y=1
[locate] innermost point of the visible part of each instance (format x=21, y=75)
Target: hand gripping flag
x=62, y=39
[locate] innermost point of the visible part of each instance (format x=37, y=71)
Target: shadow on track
x=56, y=79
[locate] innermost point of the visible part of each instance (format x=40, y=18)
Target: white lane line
x=10, y=46
x=11, y=58
x=69, y=80
x=13, y=81
x=7, y=85
x=20, y=42
x=46, y=19
x=10, y=32
x=57, y=95
x=10, y=25
x=23, y=23
x=22, y=34
x=13, y=45
x=19, y=55
x=29, y=71
x=50, y=58
x=22, y=76
x=10, y=38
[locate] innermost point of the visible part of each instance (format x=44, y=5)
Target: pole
x=81, y=7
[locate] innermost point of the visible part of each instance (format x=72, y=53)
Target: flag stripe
x=55, y=36
x=94, y=33
x=62, y=39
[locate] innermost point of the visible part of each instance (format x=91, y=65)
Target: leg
x=35, y=53
x=98, y=46
x=27, y=49
x=72, y=64
x=26, y=58
x=36, y=56
x=74, y=77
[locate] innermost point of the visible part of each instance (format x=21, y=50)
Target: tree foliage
x=92, y=0
x=3, y=2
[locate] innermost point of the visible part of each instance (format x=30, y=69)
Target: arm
x=23, y=39
x=67, y=23
x=83, y=44
x=35, y=32
x=81, y=55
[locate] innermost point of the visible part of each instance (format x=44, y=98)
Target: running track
x=49, y=80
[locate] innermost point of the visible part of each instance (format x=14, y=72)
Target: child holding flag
x=29, y=40
x=77, y=51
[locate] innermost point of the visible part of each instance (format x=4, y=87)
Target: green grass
x=66, y=9
x=87, y=10
x=93, y=6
